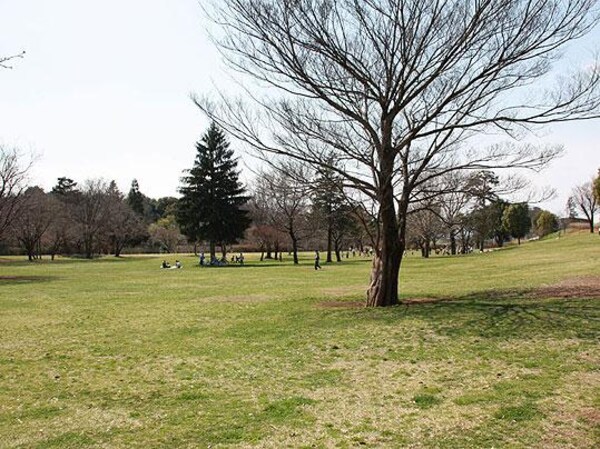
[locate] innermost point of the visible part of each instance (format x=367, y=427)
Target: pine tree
x=64, y=186
x=135, y=198
x=212, y=197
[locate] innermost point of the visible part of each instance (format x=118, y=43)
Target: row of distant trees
x=288, y=208
x=89, y=219
x=467, y=218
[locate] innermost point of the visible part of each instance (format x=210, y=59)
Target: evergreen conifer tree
x=135, y=198
x=212, y=196
x=64, y=186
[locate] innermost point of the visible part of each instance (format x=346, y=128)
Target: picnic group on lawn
x=215, y=262
x=239, y=259
x=166, y=265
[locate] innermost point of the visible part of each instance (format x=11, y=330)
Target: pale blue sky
x=104, y=92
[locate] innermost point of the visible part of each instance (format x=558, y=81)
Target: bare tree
x=5, y=60
x=585, y=202
x=13, y=176
x=424, y=228
x=123, y=226
x=395, y=90
x=267, y=237
x=90, y=213
x=36, y=215
x=62, y=233
x=284, y=196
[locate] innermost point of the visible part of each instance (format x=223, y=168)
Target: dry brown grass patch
x=576, y=287
x=571, y=419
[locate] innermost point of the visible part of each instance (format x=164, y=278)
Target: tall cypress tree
x=212, y=196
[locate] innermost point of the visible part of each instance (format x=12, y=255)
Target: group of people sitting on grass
x=215, y=262
x=166, y=265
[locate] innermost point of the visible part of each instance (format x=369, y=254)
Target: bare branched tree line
x=91, y=220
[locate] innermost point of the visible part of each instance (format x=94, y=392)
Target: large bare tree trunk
x=383, y=290
x=337, y=249
x=329, y=241
x=295, y=248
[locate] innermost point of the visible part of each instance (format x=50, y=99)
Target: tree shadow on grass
x=512, y=313
x=502, y=314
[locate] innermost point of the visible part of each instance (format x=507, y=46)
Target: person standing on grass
x=317, y=259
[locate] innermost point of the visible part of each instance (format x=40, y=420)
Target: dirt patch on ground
x=579, y=287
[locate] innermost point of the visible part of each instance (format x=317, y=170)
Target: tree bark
x=88, y=245
x=294, y=247
x=329, y=241
x=213, y=250
x=383, y=289
x=336, y=247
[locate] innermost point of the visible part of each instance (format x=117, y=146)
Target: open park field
x=491, y=350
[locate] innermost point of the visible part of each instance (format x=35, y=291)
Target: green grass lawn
x=118, y=353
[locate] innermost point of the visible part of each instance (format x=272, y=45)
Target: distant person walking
x=317, y=260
